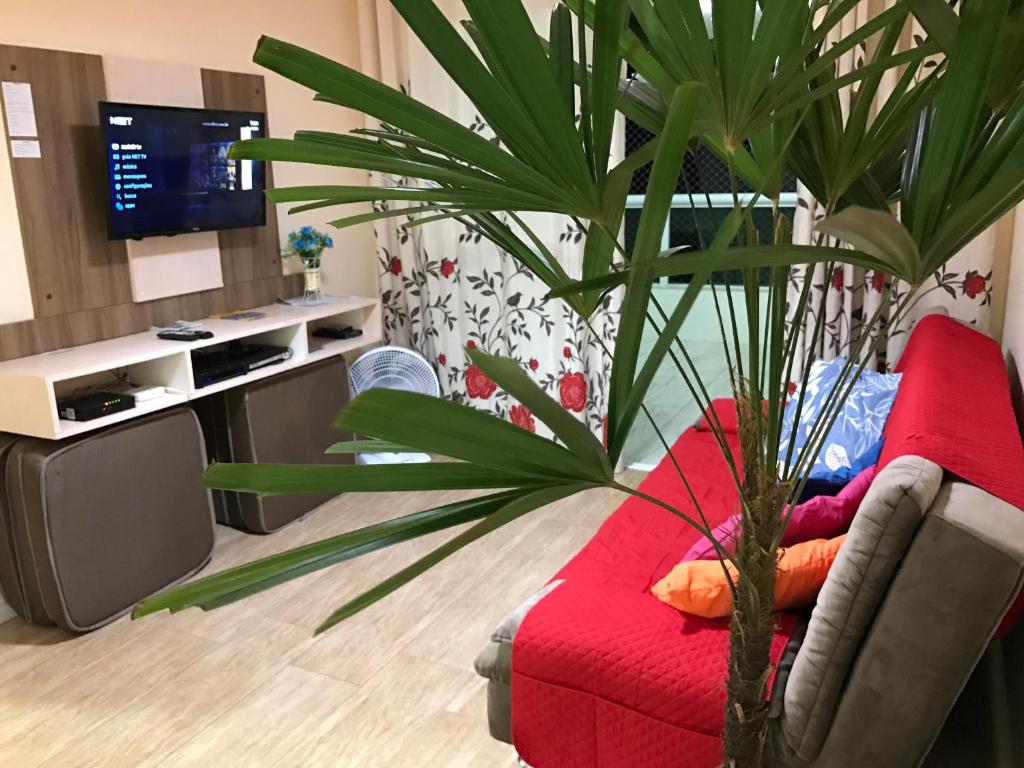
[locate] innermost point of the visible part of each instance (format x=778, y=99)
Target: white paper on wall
x=21, y=148
x=21, y=112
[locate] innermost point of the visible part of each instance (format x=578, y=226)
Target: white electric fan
x=393, y=368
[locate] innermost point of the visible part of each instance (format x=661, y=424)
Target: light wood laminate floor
x=249, y=686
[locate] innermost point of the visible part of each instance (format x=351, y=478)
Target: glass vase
x=313, y=291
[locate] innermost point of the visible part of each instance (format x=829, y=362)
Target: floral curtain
x=445, y=288
x=850, y=296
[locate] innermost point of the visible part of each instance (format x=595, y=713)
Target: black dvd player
x=236, y=358
x=94, y=405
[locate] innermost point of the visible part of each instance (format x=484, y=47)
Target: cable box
x=337, y=332
x=94, y=405
x=211, y=365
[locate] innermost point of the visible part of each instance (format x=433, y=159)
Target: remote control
x=184, y=335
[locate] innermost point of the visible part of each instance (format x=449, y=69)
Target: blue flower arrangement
x=307, y=244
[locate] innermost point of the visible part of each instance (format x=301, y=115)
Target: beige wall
x=206, y=33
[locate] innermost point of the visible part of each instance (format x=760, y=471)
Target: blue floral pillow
x=854, y=441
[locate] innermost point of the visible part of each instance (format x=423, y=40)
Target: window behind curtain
x=708, y=180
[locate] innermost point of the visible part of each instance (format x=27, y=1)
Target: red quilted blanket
x=954, y=408
x=606, y=676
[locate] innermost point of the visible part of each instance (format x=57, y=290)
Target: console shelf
x=32, y=385
x=71, y=428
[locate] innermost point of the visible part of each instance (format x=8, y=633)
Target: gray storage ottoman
x=286, y=418
x=92, y=525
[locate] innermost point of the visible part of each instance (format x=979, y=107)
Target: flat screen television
x=168, y=170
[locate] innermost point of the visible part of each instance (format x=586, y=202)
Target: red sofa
x=603, y=674
x=599, y=664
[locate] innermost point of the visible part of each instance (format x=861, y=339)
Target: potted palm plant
x=755, y=82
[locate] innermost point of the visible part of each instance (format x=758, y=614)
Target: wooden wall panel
x=50, y=333
x=80, y=280
x=254, y=252
x=61, y=197
x=258, y=293
x=161, y=267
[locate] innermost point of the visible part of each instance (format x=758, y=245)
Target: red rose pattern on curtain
x=850, y=296
x=444, y=288
x=476, y=296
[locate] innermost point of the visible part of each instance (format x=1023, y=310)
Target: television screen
x=168, y=170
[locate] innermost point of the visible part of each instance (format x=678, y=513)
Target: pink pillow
x=821, y=517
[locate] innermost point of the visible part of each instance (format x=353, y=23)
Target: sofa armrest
x=494, y=663
x=960, y=575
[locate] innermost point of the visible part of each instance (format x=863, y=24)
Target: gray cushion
x=956, y=582
x=98, y=522
x=499, y=710
x=495, y=661
x=879, y=537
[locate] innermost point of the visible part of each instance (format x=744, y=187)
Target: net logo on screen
x=120, y=120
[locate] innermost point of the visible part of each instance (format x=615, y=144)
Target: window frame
x=718, y=200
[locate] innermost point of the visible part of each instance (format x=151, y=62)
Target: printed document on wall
x=21, y=112
x=22, y=148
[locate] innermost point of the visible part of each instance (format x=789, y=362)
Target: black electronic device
x=93, y=405
x=184, y=335
x=168, y=170
x=227, y=361
x=337, y=332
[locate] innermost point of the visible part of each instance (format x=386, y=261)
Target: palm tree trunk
x=752, y=626
x=751, y=631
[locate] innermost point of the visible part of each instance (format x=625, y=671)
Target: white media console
x=32, y=385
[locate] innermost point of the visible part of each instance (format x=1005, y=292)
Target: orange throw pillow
x=699, y=586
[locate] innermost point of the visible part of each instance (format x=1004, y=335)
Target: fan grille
x=394, y=368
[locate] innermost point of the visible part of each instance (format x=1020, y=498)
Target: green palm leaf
x=366, y=446
x=653, y=218
x=512, y=510
x=606, y=67
x=880, y=235
x=677, y=263
x=355, y=90
x=237, y=583
x=634, y=395
x=573, y=433
x=938, y=19
x=281, y=479
x=435, y=425
x=958, y=107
